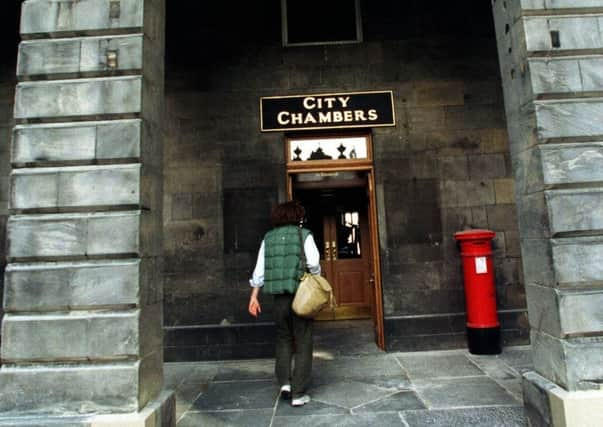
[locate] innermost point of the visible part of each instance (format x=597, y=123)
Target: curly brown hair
x=288, y=213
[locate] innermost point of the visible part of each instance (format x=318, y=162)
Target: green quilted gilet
x=282, y=251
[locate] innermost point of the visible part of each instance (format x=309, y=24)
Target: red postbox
x=483, y=329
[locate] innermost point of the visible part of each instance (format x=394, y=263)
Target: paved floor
x=355, y=384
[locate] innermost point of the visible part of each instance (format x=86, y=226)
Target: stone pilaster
x=551, y=59
x=82, y=330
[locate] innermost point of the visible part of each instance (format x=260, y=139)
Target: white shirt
x=312, y=262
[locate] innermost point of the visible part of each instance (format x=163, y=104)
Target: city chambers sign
x=327, y=111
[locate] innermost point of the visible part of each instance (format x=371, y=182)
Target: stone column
x=82, y=330
x=551, y=60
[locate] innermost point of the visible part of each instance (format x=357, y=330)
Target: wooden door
x=346, y=261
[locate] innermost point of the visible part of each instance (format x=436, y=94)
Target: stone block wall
x=443, y=168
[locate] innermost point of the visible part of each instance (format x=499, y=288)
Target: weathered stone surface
x=78, y=186
x=73, y=234
x=578, y=260
x=76, y=141
x=48, y=16
x=555, y=75
x=575, y=364
x=536, y=399
x=467, y=193
x=543, y=309
x=159, y=412
x=581, y=311
x=559, y=4
x=572, y=163
x=565, y=312
x=537, y=262
x=590, y=71
x=73, y=336
x=575, y=32
x=58, y=286
x=81, y=55
x=504, y=191
x=557, y=119
x=562, y=75
x=81, y=97
x=100, y=388
x=82, y=335
x=575, y=210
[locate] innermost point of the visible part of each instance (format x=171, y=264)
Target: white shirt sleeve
x=257, y=279
x=312, y=255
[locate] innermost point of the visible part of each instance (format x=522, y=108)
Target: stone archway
x=69, y=227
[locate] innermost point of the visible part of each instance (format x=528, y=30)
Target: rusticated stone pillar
x=82, y=330
x=551, y=59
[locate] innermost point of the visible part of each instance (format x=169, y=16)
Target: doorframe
x=361, y=165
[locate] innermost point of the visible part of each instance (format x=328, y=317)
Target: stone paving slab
x=436, y=388
x=361, y=420
x=462, y=392
x=474, y=417
x=348, y=394
x=434, y=365
x=399, y=401
x=380, y=370
x=249, y=418
x=315, y=407
x=237, y=395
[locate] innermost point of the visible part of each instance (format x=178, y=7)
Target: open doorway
x=337, y=192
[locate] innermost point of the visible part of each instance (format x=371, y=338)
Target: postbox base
x=484, y=340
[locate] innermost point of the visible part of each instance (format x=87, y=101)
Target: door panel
x=338, y=220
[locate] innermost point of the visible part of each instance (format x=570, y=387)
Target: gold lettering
x=309, y=103
x=309, y=118
x=324, y=117
x=329, y=101
x=348, y=116
x=372, y=115
x=283, y=118
x=337, y=116
x=359, y=116
x=297, y=119
x=344, y=101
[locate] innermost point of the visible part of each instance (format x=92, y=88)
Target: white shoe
x=286, y=391
x=301, y=401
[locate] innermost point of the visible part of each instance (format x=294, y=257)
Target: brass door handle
x=334, y=248
x=327, y=251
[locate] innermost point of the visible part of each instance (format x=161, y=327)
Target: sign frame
x=339, y=125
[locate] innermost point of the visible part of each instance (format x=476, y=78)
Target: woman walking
x=278, y=270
